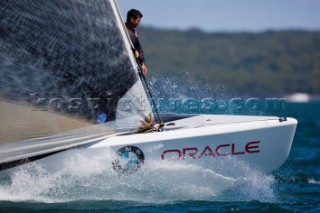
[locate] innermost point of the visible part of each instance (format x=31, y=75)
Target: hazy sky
x=227, y=15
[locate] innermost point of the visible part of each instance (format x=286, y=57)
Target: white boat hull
x=216, y=142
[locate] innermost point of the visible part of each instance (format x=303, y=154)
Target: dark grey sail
x=63, y=65
x=68, y=56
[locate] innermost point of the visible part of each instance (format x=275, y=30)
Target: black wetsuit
x=133, y=33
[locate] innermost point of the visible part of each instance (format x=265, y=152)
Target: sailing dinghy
x=70, y=62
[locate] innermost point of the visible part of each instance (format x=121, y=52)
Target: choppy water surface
x=90, y=184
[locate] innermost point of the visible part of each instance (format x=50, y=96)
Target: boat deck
x=173, y=121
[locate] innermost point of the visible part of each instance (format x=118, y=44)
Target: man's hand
x=144, y=69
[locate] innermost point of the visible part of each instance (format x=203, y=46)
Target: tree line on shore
x=260, y=64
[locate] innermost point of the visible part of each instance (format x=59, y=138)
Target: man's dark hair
x=133, y=13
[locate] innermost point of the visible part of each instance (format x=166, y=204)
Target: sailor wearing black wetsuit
x=133, y=21
x=133, y=33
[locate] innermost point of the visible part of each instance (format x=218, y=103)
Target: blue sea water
x=295, y=187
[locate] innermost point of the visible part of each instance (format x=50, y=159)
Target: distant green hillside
x=261, y=64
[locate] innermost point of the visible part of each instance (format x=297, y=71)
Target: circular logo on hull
x=129, y=159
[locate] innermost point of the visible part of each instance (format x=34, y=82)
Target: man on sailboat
x=133, y=20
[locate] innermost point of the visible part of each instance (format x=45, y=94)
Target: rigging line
x=150, y=94
x=139, y=66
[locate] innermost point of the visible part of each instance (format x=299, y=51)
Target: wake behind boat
x=74, y=59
